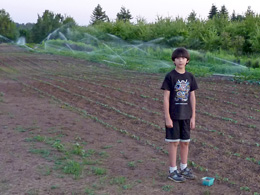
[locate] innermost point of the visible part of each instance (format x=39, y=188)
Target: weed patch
x=167, y=188
x=43, y=152
x=98, y=171
x=73, y=167
x=118, y=180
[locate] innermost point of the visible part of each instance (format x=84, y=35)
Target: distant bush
x=248, y=63
x=256, y=64
x=251, y=76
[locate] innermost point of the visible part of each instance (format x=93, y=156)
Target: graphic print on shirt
x=182, y=89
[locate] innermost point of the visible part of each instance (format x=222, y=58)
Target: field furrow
x=224, y=145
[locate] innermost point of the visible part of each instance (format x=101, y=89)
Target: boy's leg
x=173, y=147
x=184, y=147
x=173, y=138
x=174, y=173
x=185, y=171
x=184, y=140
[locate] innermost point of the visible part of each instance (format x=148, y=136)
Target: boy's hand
x=169, y=123
x=192, y=123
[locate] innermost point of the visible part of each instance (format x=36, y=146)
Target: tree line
x=235, y=33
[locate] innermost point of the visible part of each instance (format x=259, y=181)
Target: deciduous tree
x=69, y=21
x=45, y=25
x=7, y=26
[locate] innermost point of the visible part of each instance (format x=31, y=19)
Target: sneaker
x=176, y=177
x=187, y=173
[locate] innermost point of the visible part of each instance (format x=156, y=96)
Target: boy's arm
x=193, y=108
x=166, y=106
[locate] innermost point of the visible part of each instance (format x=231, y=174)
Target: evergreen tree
x=233, y=16
x=223, y=11
x=98, y=15
x=192, y=17
x=213, y=11
x=124, y=15
x=7, y=26
x=240, y=17
x=249, y=12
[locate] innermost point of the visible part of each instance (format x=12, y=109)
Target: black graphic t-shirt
x=180, y=86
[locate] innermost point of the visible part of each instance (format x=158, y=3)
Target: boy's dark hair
x=180, y=52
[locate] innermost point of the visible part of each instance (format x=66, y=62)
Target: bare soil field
x=69, y=126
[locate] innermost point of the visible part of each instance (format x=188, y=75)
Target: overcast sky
x=23, y=11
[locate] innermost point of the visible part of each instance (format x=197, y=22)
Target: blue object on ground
x=208, y=181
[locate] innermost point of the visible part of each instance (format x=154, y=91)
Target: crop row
x=108, y=126
x=247, y=142
x=235, y=101
x=144, y=96
x=229, y=152
x=103, y=105
x=134, y=105
x=82, y=68
x=229, y=87
x=84, y=113
x=109, y=107
x=223, y=89
x=110, y=87
x=228, y=135
x=160, y=99
x=205, y=95
x=109, y=97
x=156, y=99
x=150, y=97
x=228, y=119
x=231, y=108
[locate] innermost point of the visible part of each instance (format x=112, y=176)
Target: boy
x=179, y=110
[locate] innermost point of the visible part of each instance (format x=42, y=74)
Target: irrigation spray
x=21, y=41
x=149, y=56
x=4, y=39
x=109, y=49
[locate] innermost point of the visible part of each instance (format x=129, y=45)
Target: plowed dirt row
x=125, y=121
x=220, y=148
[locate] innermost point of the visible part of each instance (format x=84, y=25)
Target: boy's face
x=180, y=62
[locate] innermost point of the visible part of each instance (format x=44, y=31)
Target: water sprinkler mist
x=5, y=39
x=115, y=53
x=230, y=62
x=21, y=41
x=148, y=56
x=62, y=36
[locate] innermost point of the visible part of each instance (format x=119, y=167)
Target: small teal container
x=208, y=181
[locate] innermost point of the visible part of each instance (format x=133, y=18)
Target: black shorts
x=179, y=132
